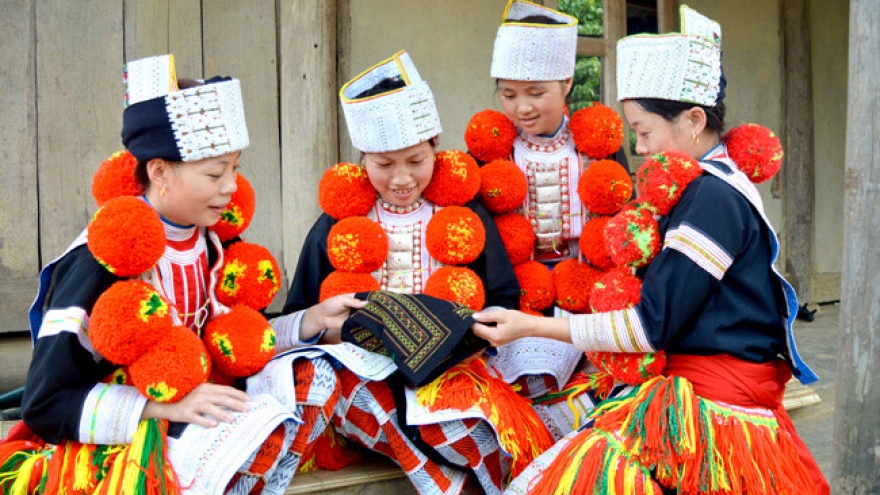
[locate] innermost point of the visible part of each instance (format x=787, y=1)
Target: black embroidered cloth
x=423, y=335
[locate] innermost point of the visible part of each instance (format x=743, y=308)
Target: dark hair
x=383, y=86
x=536, y=19
x=141, y=175
x=669, y=110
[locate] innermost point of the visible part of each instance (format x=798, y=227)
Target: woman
x=711, y=300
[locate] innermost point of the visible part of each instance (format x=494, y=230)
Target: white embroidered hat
x=531, y=51
x=389, y=107
x=162, y=121
x=682, y=66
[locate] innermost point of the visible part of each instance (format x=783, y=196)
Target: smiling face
x=535, y=107
x=655, y=134
x=195, y=193
x=401, y=176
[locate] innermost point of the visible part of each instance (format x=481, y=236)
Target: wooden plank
x=240, y=40
x=370, y=470
x=307, y=51
x=857, y=405
x=798, y=174
x=79, y=104
x=19, y=227
x=155, y=27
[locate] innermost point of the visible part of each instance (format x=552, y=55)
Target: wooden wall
x=62, y=97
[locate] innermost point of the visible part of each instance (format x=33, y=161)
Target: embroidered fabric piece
x=680, y=67
x=534, y=52
x=423, y=335
x=409, y=265
x=614, y=331
x=700, y=248
x=393, y=120
x=149, y=78
x=208, y=120
x=119, y=408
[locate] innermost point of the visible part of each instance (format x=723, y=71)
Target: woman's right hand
x=329, y=316
x=205, y=405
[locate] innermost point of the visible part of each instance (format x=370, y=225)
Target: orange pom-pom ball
x=616, y=289
x=346, y=283
x=537, y=290
x=345, y=191
x=456, y=179
x=604, y=187
x=662, y=179
x=250, y=275
x=457, y=284
x=128, y=320
x=126, y=236
x=756, y=151
x=517, y=236
x=489, y=135
x=592, y=243
x=632, y=368
x=176, y=365
x=455, y=235
x=574, y=282
x=504, y=186
x=597, y=130
x=240, y=342
x=357, y=244
x=116, y=177
x=632, y=237
x=238, y=214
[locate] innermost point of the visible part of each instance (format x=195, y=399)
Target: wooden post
x=857, y=407
x=798, y=175
x=307, y=77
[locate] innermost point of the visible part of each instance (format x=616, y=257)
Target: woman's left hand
x=502, y=327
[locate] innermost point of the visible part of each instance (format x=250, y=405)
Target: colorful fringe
x=467, y=385
x=665, y=432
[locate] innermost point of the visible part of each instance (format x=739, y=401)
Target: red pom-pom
x=357, y=244
x=456, y=179
x=128, y=320
x=116, y=177
x=503, y=187
x=574, y=282
x=592, y=243
x=489, y=135
x=347, y=283
x=240, y=342
x=662, y=179
x=756, y=151
x=616, y=289
x=250, y=275
x=455, y=235
x=632, y=237
x=457, y=284
x=176, y=365
x=597, y=130
x=604, y=187
x=517, y=236
x=630, y=368
x=345, y=191
x=126, y=236
x=238, y=214
x=537, y=290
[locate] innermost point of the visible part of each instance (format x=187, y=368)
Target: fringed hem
x=665, y=432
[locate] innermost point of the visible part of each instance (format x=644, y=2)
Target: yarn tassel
x=142, y=468
x=330, y=452
x=22, y=467
x=520, y=431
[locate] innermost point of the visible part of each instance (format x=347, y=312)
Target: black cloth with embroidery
x=423, y=335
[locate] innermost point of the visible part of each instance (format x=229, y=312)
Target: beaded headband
x=162, y=121
x=528, y=51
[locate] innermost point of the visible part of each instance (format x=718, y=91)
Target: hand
x=502, y=327
x=329, y=316
x=205, y=405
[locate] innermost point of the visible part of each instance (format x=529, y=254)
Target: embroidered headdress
x=682, y=66
x=389, y=107
x=529, y=50
x=181, y=125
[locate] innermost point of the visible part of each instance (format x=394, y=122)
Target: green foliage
x=587, y=81
x=588, y=14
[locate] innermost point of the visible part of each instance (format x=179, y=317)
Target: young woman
x=392, y=120
x=711, y=299
x=184, y=142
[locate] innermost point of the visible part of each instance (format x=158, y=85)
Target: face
x=536, y=107
x=401, y=176
x=196, y=193
x=655, y=134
